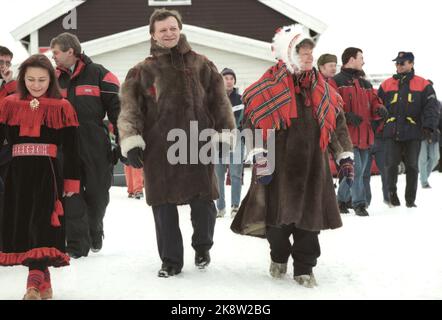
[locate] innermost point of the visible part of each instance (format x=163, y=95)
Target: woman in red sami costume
x=37, y=122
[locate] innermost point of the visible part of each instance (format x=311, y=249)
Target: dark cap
x=228, y=71
x=404, y=56
x=326, y=58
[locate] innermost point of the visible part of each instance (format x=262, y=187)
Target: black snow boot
x=168, y=271
x=202, y=259
x=361, y=211
x=343, y=207
x=394, y=200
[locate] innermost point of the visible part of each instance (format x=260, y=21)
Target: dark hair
x=163, y=14
x=43, y=62
x=6, y=52
x=348, y=53
x=67, y=41
x=306, y=43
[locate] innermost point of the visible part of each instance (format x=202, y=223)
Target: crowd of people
x=57, y=158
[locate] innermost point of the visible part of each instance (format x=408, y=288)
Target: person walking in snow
x=412, y=115
x=298, y=198
x=234, y=161
x=429, y=154
x=37, y=122
x=171, y=90
x=93, y=91
x=7, y=87
x=361, y=106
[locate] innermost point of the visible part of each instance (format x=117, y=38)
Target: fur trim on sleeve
x=130, y=143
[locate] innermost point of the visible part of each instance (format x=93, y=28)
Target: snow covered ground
x=392, y=254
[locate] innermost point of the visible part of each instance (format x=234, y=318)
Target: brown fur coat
x=165, y=92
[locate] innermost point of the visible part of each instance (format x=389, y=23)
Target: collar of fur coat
x=182, y=47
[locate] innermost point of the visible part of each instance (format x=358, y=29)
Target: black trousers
x=84, y=212
x=395, y=151
x=305, y=249
x=169, y=239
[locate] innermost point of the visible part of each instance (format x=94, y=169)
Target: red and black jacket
x=7, y=88
x=412, y=105
x=361, y=99
x=93, y=91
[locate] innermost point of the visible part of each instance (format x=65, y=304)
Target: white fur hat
x=284, y=44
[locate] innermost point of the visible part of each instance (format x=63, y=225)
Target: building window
x=170, y=2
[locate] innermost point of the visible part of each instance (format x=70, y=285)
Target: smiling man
x=170, y=89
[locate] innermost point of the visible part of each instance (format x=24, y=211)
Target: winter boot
x=306, y=280
x=234, y=211
x=221, y=213
x=343, y=207
x=202, y=259
x=394, y=200
x=278, y=270
x=411, y=204
x=168, y=271
x=138, y=195
x=361, y=211
x=97, y=242
x=35, y=279
x=32, y=294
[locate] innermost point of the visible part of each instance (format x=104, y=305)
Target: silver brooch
x=34, y=104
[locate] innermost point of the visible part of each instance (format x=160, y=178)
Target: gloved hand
x=427, y=134
x=135, y=157
x=353, y=119
x=263, y=174
x=346, y=170
x=383, y=113
x=116, y=154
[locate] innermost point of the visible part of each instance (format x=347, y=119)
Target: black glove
x=383, y=113
x=135, y=157
x=353, y=119
x=116, y=155
x=427, y=134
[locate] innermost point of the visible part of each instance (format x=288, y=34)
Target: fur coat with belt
x=170, y=90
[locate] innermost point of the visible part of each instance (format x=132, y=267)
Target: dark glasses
x=400, y=63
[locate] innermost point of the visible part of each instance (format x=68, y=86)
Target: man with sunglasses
x=412, y=115
x=7, y=84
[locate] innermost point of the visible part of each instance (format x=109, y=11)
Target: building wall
x=99, y=18
x=247, y=69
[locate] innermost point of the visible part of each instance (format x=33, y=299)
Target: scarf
x=270, y=102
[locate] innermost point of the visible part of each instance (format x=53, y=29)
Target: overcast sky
x=380, y=28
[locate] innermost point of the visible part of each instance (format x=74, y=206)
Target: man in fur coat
x=296, y=199
x=170, y=90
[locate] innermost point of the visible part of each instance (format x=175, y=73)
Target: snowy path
x=393, y=254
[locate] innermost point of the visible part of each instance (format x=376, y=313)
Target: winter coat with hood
x=167, y=91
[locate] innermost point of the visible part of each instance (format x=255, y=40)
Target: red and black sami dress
x=33, y=228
